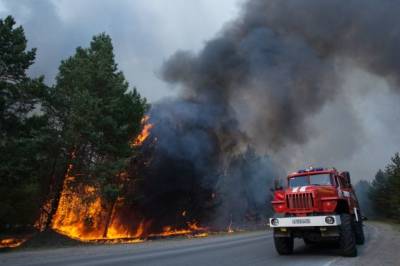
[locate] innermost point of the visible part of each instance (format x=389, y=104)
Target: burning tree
x=194, y=168
x=95, y=118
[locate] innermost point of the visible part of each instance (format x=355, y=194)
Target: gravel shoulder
x=382, y=246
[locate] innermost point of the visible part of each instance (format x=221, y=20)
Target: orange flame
x=230, y=230
x=81, y=215
x=84, y=215
x=192, y=228
x=12, y=242
x=145, y=132
x=75, y=215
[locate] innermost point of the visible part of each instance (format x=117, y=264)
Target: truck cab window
x=306, y=180
x=321, y=180
x=298, y=181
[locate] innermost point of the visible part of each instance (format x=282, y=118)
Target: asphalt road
x=256, y=248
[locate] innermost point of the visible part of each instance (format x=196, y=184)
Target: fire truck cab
x=317, y=204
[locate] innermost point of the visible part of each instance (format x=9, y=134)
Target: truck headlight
x=330, y=220
x=274, y=221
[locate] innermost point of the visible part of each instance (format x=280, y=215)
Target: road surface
x=256, y=248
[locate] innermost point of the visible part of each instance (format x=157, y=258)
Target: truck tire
x=284, y=245
x=347, y=240
x=359, y=231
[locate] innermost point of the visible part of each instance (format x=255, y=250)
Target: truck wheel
x=359, y=231
x=284, y=245
x=347, y=239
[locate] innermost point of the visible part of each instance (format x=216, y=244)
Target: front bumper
x=306, y=221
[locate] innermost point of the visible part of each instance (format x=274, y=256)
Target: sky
x=146, y=33
x=358, y=131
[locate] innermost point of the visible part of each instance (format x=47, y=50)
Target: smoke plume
x=255, y=86
x=278, y=63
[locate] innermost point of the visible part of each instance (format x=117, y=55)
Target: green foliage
x=21, y=129
x=385, y=190
x=14, y=58
x=96, y=115
x=88, y=119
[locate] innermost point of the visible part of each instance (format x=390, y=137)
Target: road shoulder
x=381, y=248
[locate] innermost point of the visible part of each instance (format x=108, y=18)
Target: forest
x=81, y=135
x=88, y=118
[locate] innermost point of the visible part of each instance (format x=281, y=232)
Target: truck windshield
x=319, y=180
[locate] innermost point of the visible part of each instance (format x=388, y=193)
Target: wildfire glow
x=145, y=132
x=201, y=235
x=192, y=228
x=11, y=242
x=230, y=230
x=84, y=215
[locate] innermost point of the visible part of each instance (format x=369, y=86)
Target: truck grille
x=300, y=201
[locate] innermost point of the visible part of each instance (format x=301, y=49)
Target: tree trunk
x=44, y=212
x=58, y=189
x=109, y=218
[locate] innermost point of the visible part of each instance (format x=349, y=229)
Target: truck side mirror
x=273, y=189
x=277, y=185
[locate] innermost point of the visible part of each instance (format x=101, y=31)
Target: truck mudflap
x=307, y=221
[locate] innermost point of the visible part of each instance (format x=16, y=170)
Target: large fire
x=83, y=219
x=145, y=132
x=84, y=215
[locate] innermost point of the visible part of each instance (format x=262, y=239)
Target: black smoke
x=195, y=164
x=278, y=63
x=252, y=90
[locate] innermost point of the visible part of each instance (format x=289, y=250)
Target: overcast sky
x=146, y=32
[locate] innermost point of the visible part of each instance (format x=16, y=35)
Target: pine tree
x=96, y=116
x=379, y=193
x=22, y=127
x=392, y=172
x=385, y=190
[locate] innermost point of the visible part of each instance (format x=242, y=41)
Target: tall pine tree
x=385, y=190
x=22, y=125
x=96, y=116
x=393, y=179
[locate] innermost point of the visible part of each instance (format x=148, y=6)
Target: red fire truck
x=317, y=205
